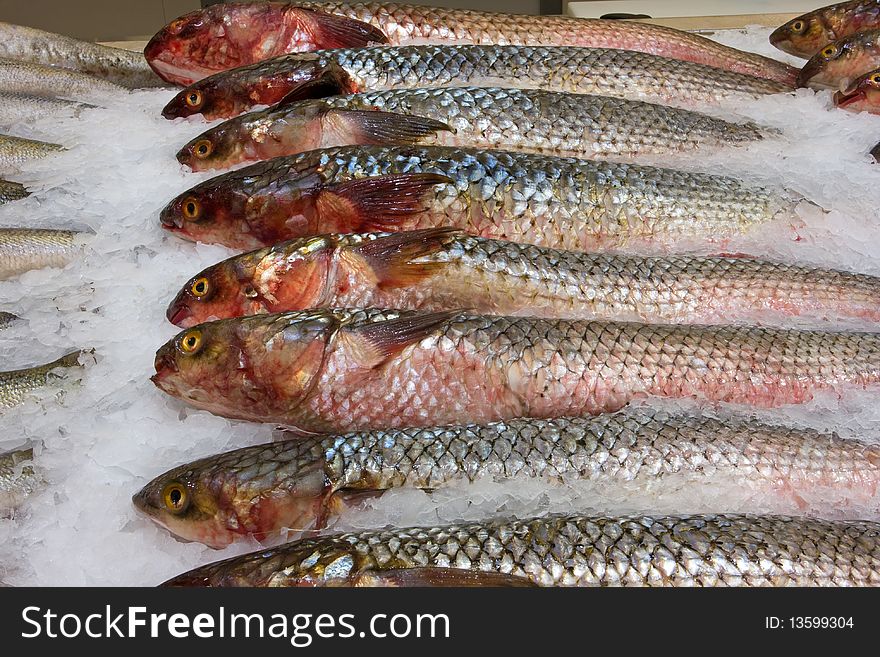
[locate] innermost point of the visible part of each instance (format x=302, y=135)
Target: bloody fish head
x=257, y=136
x=838, y=63
x=231, y=35
x=217, y=501
x=205, y=98
x=862, y=95
x=250, y=368
x=289, y=276
x=208, y=213
x=802, y=36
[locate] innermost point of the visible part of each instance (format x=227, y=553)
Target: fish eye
x=190, y=342
x=200, y=287
x=798, y=26
x=191, y=208
x=830, y=51
x=194, y=99
x=203, y=148
x=175, y=498
x=875, y=79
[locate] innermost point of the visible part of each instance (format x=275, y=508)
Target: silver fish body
x=7, y=319
x=124, y=67
x=571, y=550
x=17, y=77
x=15, y=151
x=17, y=385
x=12, y=191
x=23, y=108
x=23, y=249
x=18, y=479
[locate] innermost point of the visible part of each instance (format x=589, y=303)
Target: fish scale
x=578, y=125
x=442, y=269
x=571, y=550
x=332, y=370
x=18, y=479
x=544, y=200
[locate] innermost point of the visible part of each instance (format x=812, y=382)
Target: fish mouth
x=177, y=314
x=844, y=98
x=165, y=365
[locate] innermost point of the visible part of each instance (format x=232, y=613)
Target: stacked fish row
x=455, y=271
x=48, y=75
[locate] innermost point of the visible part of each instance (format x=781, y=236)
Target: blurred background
x=137, y=20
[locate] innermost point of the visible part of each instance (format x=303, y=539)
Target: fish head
x=255, y=368
x=210, y=213
x=862, y=95
x=802, y=36
x=219, y=499
x=217, y=292
x=220, y=147
x=838, y=63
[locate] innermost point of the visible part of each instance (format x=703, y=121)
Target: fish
x=7, y=319
x=17, y=77
x=124, y=67
x=302, y=482
x=805, y=35
x=570, y=550
x=12, y=191
x=15, y=151
x=18, y=479
x=444, y=269
x=862, y=95
x=563, y=203
x=24, y=249
x=618, y=73
x=233, y=35
x=839, y=63
x=18, y=385
x=578, y=125
x=22, y=108
x=339, y=370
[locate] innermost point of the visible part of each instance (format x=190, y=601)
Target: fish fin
x=334, y=31
x=368, y=203
x=390, y=258
x=437, y=577
x=374, y=127
x=333, y=81
x=375, y=343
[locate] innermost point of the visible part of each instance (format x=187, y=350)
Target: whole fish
x=352, y=370
x=124, y=67
x=863, y=95
x=24, y=249
x=535, y=121
x=443, y=269
x=550, y=201
x=15, y=151
x=17, y=385
x=231, y=35
x=22, y=108
x=18, y=479
x=301, y=482
x=807, y=34
x=52, y=82
x=571, y=550
x=618, y=73
x=839, y=63
x=12, y=191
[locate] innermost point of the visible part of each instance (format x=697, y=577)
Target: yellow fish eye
x=175, y=498
x=191, y=208
x=875, y=78
x=202, y=148
x=194, y=99
x=200, y=287
x=190, y=342
x=829, y=51
x=798, y=26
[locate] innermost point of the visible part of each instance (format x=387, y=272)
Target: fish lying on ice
x=618, y=73
x=807, y=34
x=232, y=35
x=24, y=249
x=18, y=77
x=349, y=370
x=862, y=95
x=300, y=483
x=12, y=191
x=571, y=550
x=124, y=67
x=15, y=151
x=534, y=121
x=22, y=108
x=18, y=479
x=443, y=269
x=17, y=385
x=839, y=63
